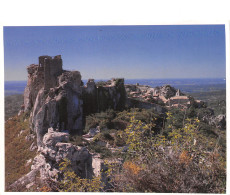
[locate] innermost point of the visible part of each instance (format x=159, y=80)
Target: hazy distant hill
x=12, y=105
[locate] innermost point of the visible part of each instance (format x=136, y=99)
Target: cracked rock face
x=54, y=150
x=34, y=84
x=218, y=121
x=59, y=107
x=54, y=97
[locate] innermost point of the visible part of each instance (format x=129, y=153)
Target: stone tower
x=52, y=69
x=178, y=93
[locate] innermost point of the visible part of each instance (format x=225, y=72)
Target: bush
x=73, y=183
x=102, y=119
x=78, y=140
x=185, y=162
x=120, y=138
x=103, y=151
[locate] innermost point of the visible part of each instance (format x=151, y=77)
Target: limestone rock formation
x=34, y=83
x=57, y=98
x=58, y=102
x=59, y=107
x=111, y=95
x=217, y=121
x=221, y=121
x=54, y=149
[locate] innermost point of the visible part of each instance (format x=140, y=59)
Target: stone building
x=178, y=101
x=52, y=67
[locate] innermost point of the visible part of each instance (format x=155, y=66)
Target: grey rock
x=34, y=84
x=55, y=149
x=167, y=91
x=25, y=180
x=30, y=185
x=28, y=162
x=63, y=110
x=221, y=121
x=52, y=138
x=30, y=137
x=33, y=147
x=21, y=132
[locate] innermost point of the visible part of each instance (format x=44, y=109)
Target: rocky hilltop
x=58, y=103
x=57, y=98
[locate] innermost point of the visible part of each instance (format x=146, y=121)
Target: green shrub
x=102, y=119
x=185, y=162
x=104, y=137
x=103, y=151
x=73, y=183
x=78, y=140
x=120, y=138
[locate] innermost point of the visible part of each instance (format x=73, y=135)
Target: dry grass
x=16, y=149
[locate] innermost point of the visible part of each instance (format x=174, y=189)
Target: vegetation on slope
x=184, y=161
x=177, y=152
x=17, y=151
x=214, y=99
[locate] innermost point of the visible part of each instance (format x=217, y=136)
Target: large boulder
x=220, y=121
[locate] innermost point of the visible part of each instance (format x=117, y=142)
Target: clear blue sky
x=103, y=52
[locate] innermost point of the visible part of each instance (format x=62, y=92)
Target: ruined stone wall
x=52, y=69
x=89, y=96
x=101, y=98
x=41, y=60
x=42, y=75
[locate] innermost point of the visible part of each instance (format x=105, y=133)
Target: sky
x=130, y=52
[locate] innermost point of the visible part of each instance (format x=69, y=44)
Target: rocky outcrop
x=59, y=107
x=133, y=103
x=98, y=98
x=217, y=121
x=55, y=149
x=167, y=91
x=24, y=181
x=208, y=116
x=46, y=164
x=58, y=102
x=221, y=121
x=112, y=96
x=34, y=83
x=89, y=94
x=58, y=99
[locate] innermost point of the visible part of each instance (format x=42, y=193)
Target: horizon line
x=224, y=78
